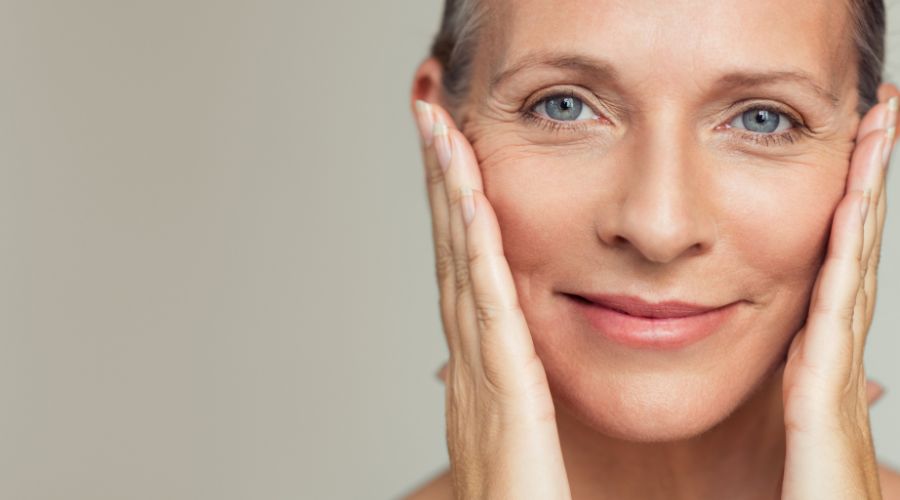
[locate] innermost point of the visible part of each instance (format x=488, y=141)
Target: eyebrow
x=598, y=68
x=757, y=79
x=602, y=70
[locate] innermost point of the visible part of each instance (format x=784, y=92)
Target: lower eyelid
x=537, y=119
x=789, y=136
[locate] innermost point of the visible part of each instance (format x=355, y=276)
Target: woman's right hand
x=501, y=423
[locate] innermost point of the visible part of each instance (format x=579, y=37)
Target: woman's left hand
x=830, y=454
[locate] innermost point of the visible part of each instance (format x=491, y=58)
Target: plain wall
x=217, y=277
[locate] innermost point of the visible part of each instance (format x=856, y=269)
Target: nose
x=662, y=206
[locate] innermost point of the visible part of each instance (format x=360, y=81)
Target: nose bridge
x=662, y=209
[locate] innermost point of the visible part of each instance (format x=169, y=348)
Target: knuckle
x=480, y=258
x=461, y=273
x=491, y=311
x=476, y=258
x=487, y=314
x=434, y=176
x=444, y=261
x=875, y=260
x=454, y=197
x=841, y=311
x=842, y=263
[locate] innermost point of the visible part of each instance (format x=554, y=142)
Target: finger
x=869, y=176
x=871, y=279
x=498, y=324
x=878, y=120
x=860, y=320
x=441, y=374
x=880, y=116
x=874, y=228
x=458, y=162
x=829, y=339
x=463, y=165
x=440, y=223
x=874, y=254
x=860, y=326
x=508, y=352
x=866, y=173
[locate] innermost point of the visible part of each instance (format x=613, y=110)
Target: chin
x=652, y=402
x=648, y=409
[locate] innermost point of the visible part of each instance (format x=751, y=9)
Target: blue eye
x=762, y=121
x=564, y=108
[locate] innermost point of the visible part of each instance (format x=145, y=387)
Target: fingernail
x=442, y=143
x=888, y=144
x=864, y=204
x=890, y=118
x=468, y=204
x=425, y=121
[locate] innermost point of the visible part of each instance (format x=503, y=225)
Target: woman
x=691, y=198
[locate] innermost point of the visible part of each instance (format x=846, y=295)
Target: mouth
x=636, y=323
x=635, y=306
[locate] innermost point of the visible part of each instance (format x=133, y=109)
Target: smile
x=638, y=324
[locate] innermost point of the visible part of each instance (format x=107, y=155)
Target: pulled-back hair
x=454, y=46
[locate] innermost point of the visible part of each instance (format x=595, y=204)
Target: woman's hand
x=830, y=454
x=501, y=425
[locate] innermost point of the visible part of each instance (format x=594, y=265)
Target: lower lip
x=653, y=333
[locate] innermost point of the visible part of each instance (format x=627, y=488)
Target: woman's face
x=671, y=182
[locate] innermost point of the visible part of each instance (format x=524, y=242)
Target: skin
x=661, y=196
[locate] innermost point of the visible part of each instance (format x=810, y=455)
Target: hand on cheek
x=501, y=426
x=829, y=443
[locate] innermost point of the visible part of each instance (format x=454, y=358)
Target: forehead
x=679, y=40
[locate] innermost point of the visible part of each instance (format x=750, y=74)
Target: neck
x=742, y=457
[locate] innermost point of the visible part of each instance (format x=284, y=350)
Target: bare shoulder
x=439, y=487
x=890, y=482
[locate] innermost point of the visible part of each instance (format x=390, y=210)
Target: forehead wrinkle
x=523, y=22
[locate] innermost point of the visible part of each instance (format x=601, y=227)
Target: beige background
x=217, y=275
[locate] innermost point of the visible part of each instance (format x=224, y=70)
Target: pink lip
x=639, y=324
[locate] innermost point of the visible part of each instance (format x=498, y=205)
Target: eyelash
x=768, y=140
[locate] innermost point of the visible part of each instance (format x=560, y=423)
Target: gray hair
x=868, y=24
x=454, y=47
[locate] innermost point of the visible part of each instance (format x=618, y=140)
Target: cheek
x=776, y=228
x=542, y=197
x=545, y=221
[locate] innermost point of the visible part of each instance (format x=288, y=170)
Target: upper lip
x=635, y=306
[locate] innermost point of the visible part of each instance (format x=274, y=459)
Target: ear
x=427, y=84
